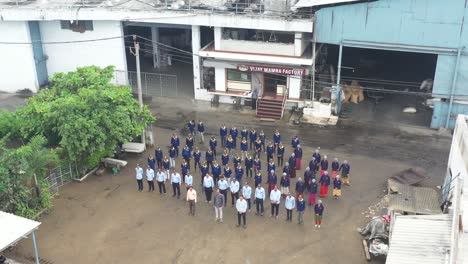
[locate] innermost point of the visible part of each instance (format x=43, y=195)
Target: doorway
x=274, y=85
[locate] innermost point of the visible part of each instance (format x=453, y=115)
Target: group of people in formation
x=240, y=162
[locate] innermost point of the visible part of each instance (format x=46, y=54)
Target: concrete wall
x=67, y=57
x=439, y=116
x=17, y=66
x=444, y=75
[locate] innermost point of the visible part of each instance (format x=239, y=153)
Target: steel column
x=36, y=254
x=454, y=84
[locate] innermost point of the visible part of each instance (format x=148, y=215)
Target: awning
x=312, y=3
x=13, y=228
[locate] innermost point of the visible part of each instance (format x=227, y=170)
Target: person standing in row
x=272, y=181
x=258, y=148
x=271, y=166
x=324, y=184
x=257, y=164
x=287, y=169
x=308, y=175
x=234, y=186
x=289, y=204
x=213, y=145
x=300, y=210
x=172, y=155
x=275, y=198
x=258, y=178
x=280, y=154
x=261, y=136
x=223, y=186
x=225, y=158
x=318, y=210
x=192, y=200
x=191, y=127
x=295, y=142
x=335, y=167
x=218, y=204
x=313, y=188
x=337, y=187
x=276, y=138
x=270, y=150
x=241, y=206
x=227, y=173
x=244, y=147
x=292, y=165
x=209, y=157
x=345, y=170
x=259, y=199
x=244, y=134
x=298, y=154
x=175, y=142
x=196, y=157
x=166, y=163
x=216, y=171
x=252, y=137
x=161, y=178
x=284, y=185
x=300, y=187
x=159, y=157
x=234, y=133
x=188, y=180
x=201, y=131
x=230, y=144
x=150, y=178
x=151, y=162
x=324, y=165
x=317, y=158
x=247, y=193
x=236, y=160
x=208, y=184
x=204, y=169
x=176, y=180
x=248, y=165
x=223, y=134
x=186, y=155
x=139, y=177
x=189, y=142
x=184, y=168
x=239, y=172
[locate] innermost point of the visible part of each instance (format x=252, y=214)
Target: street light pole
x=140, y=93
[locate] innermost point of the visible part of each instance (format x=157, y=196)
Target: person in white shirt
x=247, y=193
x=192, y=200
x=259, y=198
x=234, y=190
x=223, y=188
x=289, y=204
x=175, y=181
x=150, y=179
x=241, y=206
x=161, y=179
x=208, y=184
x=275, y=197
x=139, y=177
x=188, y=180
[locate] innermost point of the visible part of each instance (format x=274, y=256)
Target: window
x=238, y=76
x=258, y=35
x=77, y=25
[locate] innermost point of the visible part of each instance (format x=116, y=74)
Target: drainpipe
x=338, y=75
x=452, y=90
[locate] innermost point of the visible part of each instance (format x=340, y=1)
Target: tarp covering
x=13, y=228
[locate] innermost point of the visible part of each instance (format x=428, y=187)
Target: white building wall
x=258, y=47
x=17, y=66
x=294, y=87
x=67, y=57
x=220, y=79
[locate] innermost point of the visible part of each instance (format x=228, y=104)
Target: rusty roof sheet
x=419, y=200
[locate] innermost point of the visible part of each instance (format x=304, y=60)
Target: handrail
x=285, y=95
x=256, y=104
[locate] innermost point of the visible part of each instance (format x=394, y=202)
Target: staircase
x=269, y=108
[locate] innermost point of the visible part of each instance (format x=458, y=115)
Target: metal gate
x=58, y=177
x=153, y=84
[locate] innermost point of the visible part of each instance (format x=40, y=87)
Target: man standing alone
x=139, y=177
x=192, y=200
x=218, y=205
x=241, y=206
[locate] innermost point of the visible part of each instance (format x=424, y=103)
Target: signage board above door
x=272, y=70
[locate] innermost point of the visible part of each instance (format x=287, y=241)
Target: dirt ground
x=106, y=220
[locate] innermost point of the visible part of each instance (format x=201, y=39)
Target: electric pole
x=140, y=93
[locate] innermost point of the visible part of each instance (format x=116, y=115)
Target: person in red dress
x=324, y=183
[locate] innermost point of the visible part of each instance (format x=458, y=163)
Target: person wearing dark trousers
x=248, y=165
x=234, y=186
x=186, y=154
x=175, y=181
x=150, y=179
x=159, y=157
x=204, y=169
x=216, y=171
x=252, y=137
x=201, y=131
x=223, y=134
x=175, y=142
x=247, y=193
x=161, y=179
x=254, y=98
x=234, y=133
x=191, y=127
x=213, y=145
x=259, y=198
x=289, y=204
x=223, y=186
x=139, y=177
x=208, y=184
x=192, y=200
x=151, y=162
x=241, y=206
x=280, y=154
x=196, y=158
x=275, y=198
x=209, y=157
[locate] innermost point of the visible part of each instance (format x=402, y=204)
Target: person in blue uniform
x=225, y=158
x=287, y=169
x=172, y=155
x=227, y=173
x=272, y=181
x=204, y=169
x=318, y=210
x=223, y=134
x=284, y=185
x=213, y=144
x=184, y=167
x=191, y=127
x=216, y=171
x=230, y=144
x=337, y=187
x=248, y=165
x=300, y=187
x=252, y=137
x=270, y=150
x=271, y=166
x=294, y=142
x=196, y=157
x=308, y=176
x=261, y=136
x=276, y=138
x=151, y=162
x=280, y=154
x=317, y=157
x=345, y=170
x=292, y=165
x=300, y=210
x=201, y=131
x=234, y=133
x=159, y=156
x=258, y=147
x=239, y=172
x=244, y=133
x=335, y=168
x=313, y=165
x=324, y=165
x=324, y=183
x=175, y=142
x=236, y=160
x=186, y=155
x=298, y=154
x=313, y=189
x=258, y=178
x=209, y=157
x=189, y=141
x=166, y=163
x=257, y=164
x=244, y=147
